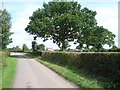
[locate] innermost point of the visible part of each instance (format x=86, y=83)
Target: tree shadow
x=20, y=56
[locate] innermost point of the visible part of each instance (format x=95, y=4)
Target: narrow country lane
x=32, y=74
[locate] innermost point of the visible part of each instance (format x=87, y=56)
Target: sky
x=21, y=10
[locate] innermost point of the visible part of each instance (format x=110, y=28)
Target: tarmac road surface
x=32, y=74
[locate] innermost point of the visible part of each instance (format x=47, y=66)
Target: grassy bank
x=79, y=77
x=0, y=70
x=8, y=70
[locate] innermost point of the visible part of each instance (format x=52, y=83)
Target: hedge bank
x=103, y=64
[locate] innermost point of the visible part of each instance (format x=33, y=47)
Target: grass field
x=0, y=79
x=8, y=71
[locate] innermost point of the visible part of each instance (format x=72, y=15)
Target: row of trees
x=16, y=48
x=5, y=25
x=64, y=22
x=40, y=47
x=36, y=47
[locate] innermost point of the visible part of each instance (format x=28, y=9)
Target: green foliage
x=41, y=47
x=101, y=64
x=64, y=22
x=16, y=48
x=5, y=24
x=82, y=79
x=25, y=48
x=8, y=70
x=57, y=20
x=95, y=39
x=34, y=46
x=114, y=49
x=3, y=55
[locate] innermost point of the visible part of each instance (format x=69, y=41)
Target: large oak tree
x=66, y=21
x=92, y=36
x=59, y=21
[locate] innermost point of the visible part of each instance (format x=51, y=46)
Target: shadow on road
x=19, y=55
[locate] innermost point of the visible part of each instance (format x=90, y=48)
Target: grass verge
x=0, y=79
x=8, y=71
x=79, y=77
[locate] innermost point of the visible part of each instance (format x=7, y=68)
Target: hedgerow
x=105, y=64
x=3, y=55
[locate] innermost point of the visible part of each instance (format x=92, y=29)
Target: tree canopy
x=16, y=48
x=64, y=22
x=96, y=39
x=41, y=47
x=34, y=46
x=25, y=48
x=5, y=25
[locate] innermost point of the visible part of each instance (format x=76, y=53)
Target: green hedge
x=103, y=64
x=116, y=50
x=3, y=56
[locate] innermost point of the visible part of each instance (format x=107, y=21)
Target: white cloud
x=48, y=44
x=56, y=0
x=25, y=0
x=18, y=27
x=108, y=18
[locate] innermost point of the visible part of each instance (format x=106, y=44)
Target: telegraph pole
x=119, y=24
x=1, y=26
x=2, y=5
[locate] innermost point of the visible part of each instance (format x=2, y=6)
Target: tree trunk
x=63, y=48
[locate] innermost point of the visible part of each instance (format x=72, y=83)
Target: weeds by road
x=8, y=71
x=0, y=70
x=73, y=75
x=79, y=77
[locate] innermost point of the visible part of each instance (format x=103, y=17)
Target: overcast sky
x=20, y=10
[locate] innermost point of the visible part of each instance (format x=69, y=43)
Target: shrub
x=36, y=53
x=103, y=64
x=3, y=57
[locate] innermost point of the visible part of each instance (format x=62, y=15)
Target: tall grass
x=8, y=70
x=0, y=70
x=81, y=78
